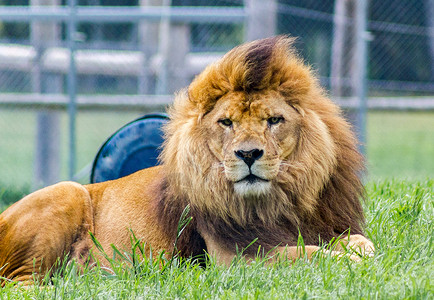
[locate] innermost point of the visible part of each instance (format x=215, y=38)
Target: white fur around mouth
x=252, y=186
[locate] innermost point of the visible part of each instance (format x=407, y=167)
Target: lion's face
x=251, y=137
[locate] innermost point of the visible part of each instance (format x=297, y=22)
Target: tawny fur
x=310, y=175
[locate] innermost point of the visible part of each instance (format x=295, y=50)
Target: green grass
x=400, y=145
x=17, y=141
x=400, y=222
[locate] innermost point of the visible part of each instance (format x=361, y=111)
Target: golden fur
x=253, y=146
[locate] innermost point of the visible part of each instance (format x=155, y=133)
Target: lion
x=256, y=150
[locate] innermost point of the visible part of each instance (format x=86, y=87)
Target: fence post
x=338, y=44
x=174, y=44
x=349, y=60
x=178, y=49
x=163, y=50
x=72, y=88
x=47, y=152
x=148, y=45
x=261, y=19
x=360, y=68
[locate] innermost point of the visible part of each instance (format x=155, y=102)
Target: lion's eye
x=274, y=120
x=226, y=122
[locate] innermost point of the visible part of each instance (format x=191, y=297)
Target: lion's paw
x=359, y=244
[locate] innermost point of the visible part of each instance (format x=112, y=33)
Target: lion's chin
x=246, y=188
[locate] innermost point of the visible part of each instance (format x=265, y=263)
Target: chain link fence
x=130, y=58
x=401, y=41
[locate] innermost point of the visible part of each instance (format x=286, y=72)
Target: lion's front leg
x=358, y=244
x=225, y=257
x=296, y=252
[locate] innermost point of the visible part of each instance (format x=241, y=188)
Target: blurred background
x=73, y=72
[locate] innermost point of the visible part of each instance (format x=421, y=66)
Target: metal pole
x=72, y=86
x=362, y=60
x=163, y=45
x=43, y=35
x=338, y=48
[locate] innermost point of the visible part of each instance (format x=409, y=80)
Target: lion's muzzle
x=249, y=172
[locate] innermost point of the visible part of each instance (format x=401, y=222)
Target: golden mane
x=319, y=192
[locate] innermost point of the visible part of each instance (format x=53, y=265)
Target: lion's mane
x=318, y=193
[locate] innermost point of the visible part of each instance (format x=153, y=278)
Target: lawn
x=399, y=211
x=17, y=141
x=399, y=222
x=400, y=145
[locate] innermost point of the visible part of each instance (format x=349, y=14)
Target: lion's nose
x=249, y=156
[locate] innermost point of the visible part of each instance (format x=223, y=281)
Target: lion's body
x=56, y=221
x=254, y=147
